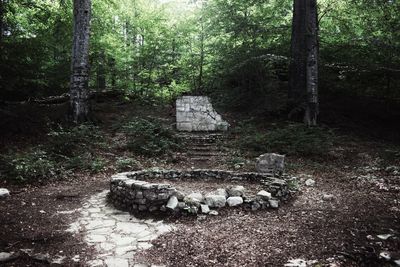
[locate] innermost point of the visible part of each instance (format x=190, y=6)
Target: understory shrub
x=126, y=164
x=67, y=149
x=289, y=139
x=69, y=141
x=35, y=164
x=149, y=137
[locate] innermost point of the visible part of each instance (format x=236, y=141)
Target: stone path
x=116, y=235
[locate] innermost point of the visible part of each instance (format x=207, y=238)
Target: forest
x=196, y=96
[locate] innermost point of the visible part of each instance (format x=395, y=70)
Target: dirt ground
x=342, y=231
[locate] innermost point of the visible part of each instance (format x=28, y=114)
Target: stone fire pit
x=138, y=191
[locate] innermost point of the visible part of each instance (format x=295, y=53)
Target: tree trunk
x=312, y=109
x=79, y=91
x=303, y=71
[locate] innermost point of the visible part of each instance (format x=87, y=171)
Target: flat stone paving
x=116, y=235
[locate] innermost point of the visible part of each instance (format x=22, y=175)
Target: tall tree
x=303, y=73
x=79, y=91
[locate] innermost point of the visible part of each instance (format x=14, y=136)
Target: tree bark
x=312, y=109
x=303, y=70
x=79, y=91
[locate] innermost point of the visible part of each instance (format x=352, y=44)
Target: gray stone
x=270, y=163
x=172, y=203
x=236, y=191
x=180, y=195
x=194, y=199
x=4, y=256
x=4, y=193
x=215, y=201
x=213, y=212
x=116, y=262
x=195, y=113
x=234, y=201
x=181, y=205
x=264, y=194
x=142, y=207
x=273, y=203
x=163, y=196
x=222, y=192
x=328, y=197
x=150, y=195
x=95, y=263
x=255, y=206
x=205, y=209
x=310, y=182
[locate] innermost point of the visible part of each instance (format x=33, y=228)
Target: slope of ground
x=342, y=231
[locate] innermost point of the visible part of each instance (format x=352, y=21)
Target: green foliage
x=67, y=149
x=290, y=139
x=77, y=139
x=33, y=165
x=149, y=137
x=126, y=164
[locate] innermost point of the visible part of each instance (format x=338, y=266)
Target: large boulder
x=270, y=163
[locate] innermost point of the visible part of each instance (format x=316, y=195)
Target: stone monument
x=196, y=114
x=270, y=163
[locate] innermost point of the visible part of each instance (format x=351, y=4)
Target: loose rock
x=255, y=206
x=204, y=209
x=172, y=203
x=264, y=194
x=234, y=201
x=328, y=197
x=4, y=193
x=273, y=203
x=310, y=182
x=213, y=212
x=5, y=256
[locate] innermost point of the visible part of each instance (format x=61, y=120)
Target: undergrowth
x=289, y=139
x=66, y=150
x=149, y=137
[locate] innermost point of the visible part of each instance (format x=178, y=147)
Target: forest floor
x=361, y=173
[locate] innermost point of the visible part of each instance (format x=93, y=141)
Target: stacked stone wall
x=134, y=191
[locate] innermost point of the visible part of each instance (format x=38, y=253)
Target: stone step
x=201, y=159
x=203, y=148
x=206, y=154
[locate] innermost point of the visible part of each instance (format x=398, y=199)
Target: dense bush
x=35, y=164
x=67, y=149
x=149, y=137
x=290, y=139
